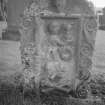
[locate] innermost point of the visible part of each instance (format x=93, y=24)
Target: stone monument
x=56, y=50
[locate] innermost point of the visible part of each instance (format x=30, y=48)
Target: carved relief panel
x=60, y=46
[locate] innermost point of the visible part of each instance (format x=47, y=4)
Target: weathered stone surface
x=57, y=49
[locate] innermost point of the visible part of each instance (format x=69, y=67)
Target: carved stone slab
x=60, y=48
x=57, y=55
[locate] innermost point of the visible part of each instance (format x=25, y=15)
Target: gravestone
x=56, y=51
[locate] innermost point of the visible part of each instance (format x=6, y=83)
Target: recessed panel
x=60, y=49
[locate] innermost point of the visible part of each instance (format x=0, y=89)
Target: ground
x=10, y=60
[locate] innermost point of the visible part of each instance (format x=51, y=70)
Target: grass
x=99, y=53
x=10, y=61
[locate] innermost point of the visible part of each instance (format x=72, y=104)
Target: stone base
x=13, y=91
